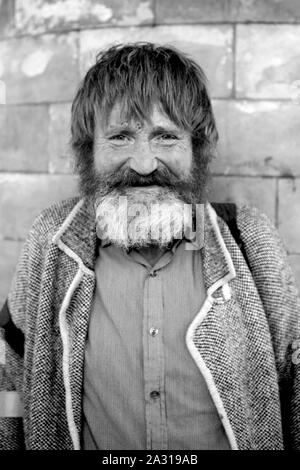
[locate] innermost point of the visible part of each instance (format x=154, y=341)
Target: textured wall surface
x=250, y=50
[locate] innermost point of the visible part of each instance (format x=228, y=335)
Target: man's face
x=142, y=179
x=141, y=146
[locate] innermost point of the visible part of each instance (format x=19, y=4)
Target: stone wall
x=250, y=50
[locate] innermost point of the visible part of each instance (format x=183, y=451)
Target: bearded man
x=148, y=318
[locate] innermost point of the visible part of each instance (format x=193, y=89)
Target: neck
x=152, y=253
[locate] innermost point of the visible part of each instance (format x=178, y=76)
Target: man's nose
x=143, y=161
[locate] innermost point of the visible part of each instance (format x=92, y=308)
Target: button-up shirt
x=142, y=388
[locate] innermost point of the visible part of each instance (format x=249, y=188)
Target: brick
x=61, y=160
x=39, y=69
x=210, y=46
x=22, y=197
x=23, y=138
x=257, y=138
x=9, y=255
x=268, y=62
x=288, y=213
x=36, y=16
x=197, y=11
x=254, y=192
x=7, y=8
x=294, y=261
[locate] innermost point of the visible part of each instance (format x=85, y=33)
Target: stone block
x=60, y=155
x=9, y=255
x=39, y=69
x=197, y=11
x=254, y=192
x=282, y=11
x=191, y=11
x=210, y=46
x=23, y=138
x=36, y=16
x=268, y=61
x=257, y=138
x=294, y=261
x=288, y=213
x=22, y=197
x=7, y=9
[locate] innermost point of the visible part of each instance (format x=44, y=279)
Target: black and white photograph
x=149, y=228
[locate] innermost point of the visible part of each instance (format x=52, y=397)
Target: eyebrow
x=155, y=131
x=160, y=129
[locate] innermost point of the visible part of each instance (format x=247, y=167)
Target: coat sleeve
x=276, y=285
x=12, y=321
x=20, y=305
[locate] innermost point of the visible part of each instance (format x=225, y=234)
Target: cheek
x=179, y=159
x=108, y=159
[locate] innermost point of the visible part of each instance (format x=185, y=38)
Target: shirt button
x=153, y=274
x=153, y=331
x=155, y=394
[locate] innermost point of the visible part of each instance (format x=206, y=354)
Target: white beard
x=140, y=217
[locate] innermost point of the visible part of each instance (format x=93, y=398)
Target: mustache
x=162, y=176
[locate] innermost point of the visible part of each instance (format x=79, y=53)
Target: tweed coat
x=244, y=340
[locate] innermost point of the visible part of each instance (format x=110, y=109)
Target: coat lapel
x=229, y=338
x=78, y=241
x=206, y=338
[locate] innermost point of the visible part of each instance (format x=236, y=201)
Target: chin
x=139, y=243
x=142, y=217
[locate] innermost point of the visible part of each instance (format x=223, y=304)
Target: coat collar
x=77, y=235
x=218, y=268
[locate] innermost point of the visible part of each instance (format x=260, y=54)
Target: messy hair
x=139, y=75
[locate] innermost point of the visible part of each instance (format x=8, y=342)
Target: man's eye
x=119, y=137
x=168, y=137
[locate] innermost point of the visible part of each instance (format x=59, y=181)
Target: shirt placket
x=156, y=423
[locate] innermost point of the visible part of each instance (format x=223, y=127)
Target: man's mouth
x=151, y=185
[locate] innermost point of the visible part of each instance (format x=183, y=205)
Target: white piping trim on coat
x=226, y=291
x=68, y=220
x=63, y=321
x=198, y=320
x=232, y=273
x=66, y=373
x=57, y=239
x=75, y=257
x=206, y=372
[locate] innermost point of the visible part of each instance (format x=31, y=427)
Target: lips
x=146, y=186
